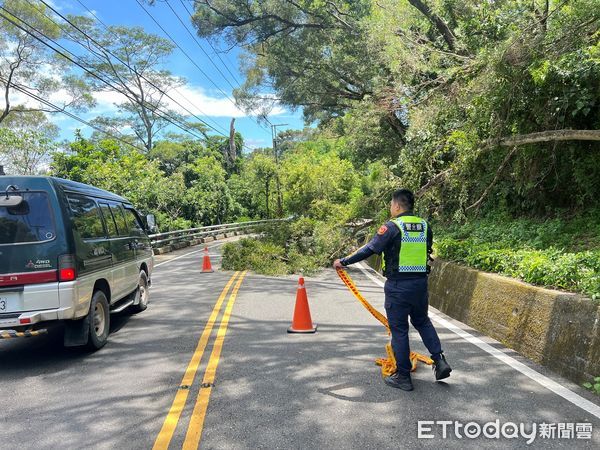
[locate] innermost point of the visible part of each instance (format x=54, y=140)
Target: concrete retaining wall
x=557, y=329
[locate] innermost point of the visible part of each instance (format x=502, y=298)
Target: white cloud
x=198, y=101
x=105, y=102
x=255, y=143
x=61, y=7
x=185, y=100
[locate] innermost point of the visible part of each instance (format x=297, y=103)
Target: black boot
x=399, y=381
x=441, y=368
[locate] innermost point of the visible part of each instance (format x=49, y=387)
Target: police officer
x=406, y=243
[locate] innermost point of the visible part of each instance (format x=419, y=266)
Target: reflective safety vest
x=413, y=247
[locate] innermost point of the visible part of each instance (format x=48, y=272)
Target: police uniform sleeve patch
x=382, y=230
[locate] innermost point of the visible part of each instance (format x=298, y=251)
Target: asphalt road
x=230, y=377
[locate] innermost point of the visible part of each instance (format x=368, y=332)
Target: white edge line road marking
x=543, y=380
x=189, y=253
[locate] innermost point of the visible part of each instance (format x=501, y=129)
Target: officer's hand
x=337, y=264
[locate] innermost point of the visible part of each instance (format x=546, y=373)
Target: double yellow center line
x=194, y=432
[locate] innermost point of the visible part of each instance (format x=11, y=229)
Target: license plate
x=9, y=302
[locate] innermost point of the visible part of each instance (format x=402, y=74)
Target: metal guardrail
x=173, y=237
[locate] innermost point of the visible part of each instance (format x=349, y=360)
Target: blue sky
x=198, y=95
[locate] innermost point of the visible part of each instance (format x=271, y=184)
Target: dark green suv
x=69, y=252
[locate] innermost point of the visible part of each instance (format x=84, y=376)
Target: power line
x=198, y=44
x=224, y=131
x=207, y=41
x=156, y=110
x=164, y=116
x=188, y=56
x=64, y=55
x=67, y=57
x=184, y=52
x=224, y=134
x=215, y=51
x=71, y=115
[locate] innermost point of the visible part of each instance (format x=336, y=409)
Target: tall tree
x=262, y=169
x=130, y=62
x=27, y=141
x=29, y=66
x=305, y=51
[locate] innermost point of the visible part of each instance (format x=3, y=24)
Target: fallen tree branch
x=438, y=178
x=357, y=228
x=487, y=190
x=545, y=136
x=515, y=141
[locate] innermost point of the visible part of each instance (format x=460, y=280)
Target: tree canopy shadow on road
x=118, y=396
x=327, y=389
x=272, y=389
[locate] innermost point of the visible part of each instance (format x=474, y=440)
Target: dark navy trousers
x=406, y=298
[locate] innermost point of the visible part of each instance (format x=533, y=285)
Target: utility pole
x=276, y=154
x=232, y=149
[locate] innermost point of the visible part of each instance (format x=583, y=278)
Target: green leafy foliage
x=299, y=246
x=187, y=185
x=551, y=253
x=318, y=182
x=259, y=256
x=432, y=87
x=307, y=50
x=594, y=387
x=26, y=144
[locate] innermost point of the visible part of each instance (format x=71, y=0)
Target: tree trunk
x=7, y=96
x=279, y=197
x=436, y=21
x=267, y=183
x=232, y=149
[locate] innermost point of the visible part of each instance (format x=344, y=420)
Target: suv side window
x=120, y=219
x=109, y=220
x=134, y=223
x=86, y=217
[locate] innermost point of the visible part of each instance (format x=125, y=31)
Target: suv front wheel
x=142, y=294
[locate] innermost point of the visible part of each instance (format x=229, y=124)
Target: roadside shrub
x=258, y=256
x=594, y=387
x=301, y=246
x=543, y=253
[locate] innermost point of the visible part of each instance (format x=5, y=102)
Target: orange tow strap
x=388, y=365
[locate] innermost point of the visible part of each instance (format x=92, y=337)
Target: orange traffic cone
x=206, y=266
x=302, y=322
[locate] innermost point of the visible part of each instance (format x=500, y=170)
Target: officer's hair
x=404, y=198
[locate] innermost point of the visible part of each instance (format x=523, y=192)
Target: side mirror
x=151, y=223
x=10, y=200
